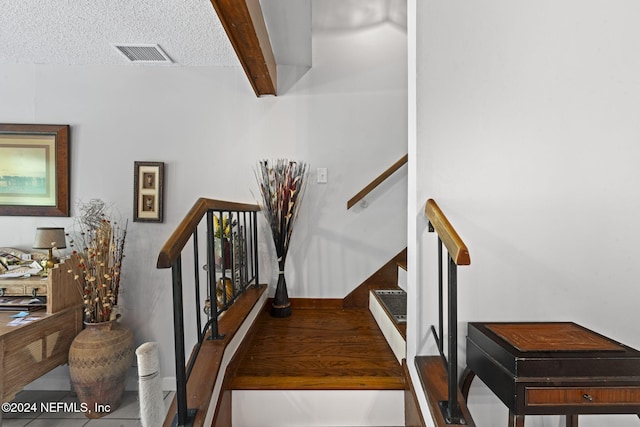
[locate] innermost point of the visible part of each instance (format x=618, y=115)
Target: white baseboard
x=169, y=383
x=58, y=379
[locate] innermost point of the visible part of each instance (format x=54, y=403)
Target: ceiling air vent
x=143, y=53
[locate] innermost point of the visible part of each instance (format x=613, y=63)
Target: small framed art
x=148, y=178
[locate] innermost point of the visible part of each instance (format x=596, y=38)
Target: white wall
x=346, y=114
x=527, y=136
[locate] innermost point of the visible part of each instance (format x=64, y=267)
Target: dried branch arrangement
x=96, y=259
x=282, y=184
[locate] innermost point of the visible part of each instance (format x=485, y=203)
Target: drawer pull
x=587, y=397
x=2, y=291
x=34, y=292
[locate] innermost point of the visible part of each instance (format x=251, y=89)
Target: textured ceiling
x=83, y=31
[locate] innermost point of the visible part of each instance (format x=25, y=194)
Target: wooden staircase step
x=385, y=278
x=318, y=349
x=394, y=302
x=394, y=332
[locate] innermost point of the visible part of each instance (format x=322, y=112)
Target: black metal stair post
x=453, y=408
x=182, y=416
x=450, y=408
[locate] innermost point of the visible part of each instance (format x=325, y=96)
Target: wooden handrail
x=454, y=244
x=373, y=184
x=174, y=245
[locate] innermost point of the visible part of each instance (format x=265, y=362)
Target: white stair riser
x=402, y=278
x=387, y=327
x=315, y=408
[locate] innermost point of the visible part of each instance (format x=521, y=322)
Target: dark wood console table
x=552, y=368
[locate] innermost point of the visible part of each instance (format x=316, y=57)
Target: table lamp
x=49, y=238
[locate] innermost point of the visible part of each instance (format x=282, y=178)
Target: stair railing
x=231, y=266
x=458, y=254
x=379, y=180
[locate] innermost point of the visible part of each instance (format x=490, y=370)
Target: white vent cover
x=146, y=53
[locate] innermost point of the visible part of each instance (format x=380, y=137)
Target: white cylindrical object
x=152, y=410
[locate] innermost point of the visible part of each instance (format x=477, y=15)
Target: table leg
x=465, y=382
x=572, y=420
x=516, y=420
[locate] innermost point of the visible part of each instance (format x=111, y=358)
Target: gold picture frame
x=148, y=200
x=34, y=170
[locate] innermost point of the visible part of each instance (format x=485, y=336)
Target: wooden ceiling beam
x=244, y=23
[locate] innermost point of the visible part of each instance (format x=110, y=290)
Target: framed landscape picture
x=148, y=191
x=34, y=170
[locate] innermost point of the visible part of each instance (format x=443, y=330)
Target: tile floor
x=127, y=415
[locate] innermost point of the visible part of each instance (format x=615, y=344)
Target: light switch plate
x=322, y=175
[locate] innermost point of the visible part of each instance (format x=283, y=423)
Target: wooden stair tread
x=318, y=349
x=328, y=382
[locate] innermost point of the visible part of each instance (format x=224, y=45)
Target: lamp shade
x=50, y=237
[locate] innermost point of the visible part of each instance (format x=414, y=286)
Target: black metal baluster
x=250, y=265
x=211, y=273
x=440, y=299
x=178, y=328
x=232, y=261
x=453, y=409
x=248, y=236
x=243, y=249
x=224, y=261
x=196, y=279
x=254, y=215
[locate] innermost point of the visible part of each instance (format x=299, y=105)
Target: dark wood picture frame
x=148, y=192
x=34, y=170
